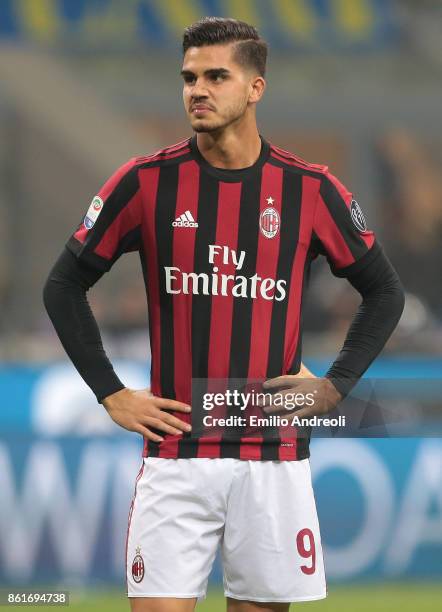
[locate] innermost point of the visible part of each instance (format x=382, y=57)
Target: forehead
x=198, y=59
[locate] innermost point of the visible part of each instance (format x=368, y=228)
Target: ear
x=257, y=87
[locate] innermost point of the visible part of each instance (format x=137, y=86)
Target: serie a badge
x=93, y=212
x=138, y=566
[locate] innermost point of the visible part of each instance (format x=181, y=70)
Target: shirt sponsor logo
x=218, y=283
x=93, y=212
x=185, y=220
x=357, y=217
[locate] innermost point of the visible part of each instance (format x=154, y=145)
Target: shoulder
x=329, y=182
x=291, y=160
x=127, y=175
x=172, y=153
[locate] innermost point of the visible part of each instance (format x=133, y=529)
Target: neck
x=231, y=149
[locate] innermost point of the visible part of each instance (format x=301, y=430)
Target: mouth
x=200, y=109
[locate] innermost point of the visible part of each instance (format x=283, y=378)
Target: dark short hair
x=250, y=50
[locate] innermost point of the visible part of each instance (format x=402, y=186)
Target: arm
x=66, y=302
x=111, y=227
x=378, y=314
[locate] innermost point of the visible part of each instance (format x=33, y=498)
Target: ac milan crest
x=138, y=566
x=269, y=221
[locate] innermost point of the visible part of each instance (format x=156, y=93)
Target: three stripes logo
x=185, y=220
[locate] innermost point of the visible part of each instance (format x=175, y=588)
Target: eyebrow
x=210, y=72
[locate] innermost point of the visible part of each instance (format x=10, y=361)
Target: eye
x=188, y=78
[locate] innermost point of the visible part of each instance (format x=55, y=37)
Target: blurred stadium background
x=86, y=84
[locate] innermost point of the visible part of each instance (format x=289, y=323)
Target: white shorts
x=261, y=513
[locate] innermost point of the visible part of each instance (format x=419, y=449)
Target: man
x=226, y=226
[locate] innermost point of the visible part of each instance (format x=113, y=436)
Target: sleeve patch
x=93, y=212
x=357, y=216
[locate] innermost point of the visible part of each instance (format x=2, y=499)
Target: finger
x=272, y=409
x=305, y=413
x=267, y=399
x=279, y=381
x=150, y=435
x=304, y=372
x=170, y=404
x=270, y=398
x=283, y=401
x=175, y=422
x=264, y=399
x=162, y=426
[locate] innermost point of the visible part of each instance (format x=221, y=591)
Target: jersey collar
x=230, y=175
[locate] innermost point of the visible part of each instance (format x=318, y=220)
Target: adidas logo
x=185, y=220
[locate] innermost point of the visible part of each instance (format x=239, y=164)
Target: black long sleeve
x=378, y=314
x=64, y=297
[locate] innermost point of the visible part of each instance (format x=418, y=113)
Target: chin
x=201, y=126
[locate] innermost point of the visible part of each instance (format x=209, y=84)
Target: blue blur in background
x=66, y=487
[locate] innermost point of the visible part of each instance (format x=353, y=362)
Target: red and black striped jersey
x=225, y=256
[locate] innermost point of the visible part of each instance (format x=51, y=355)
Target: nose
x=198, y=90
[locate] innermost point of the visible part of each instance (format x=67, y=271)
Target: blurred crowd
x=409, y=213
x=358, y=92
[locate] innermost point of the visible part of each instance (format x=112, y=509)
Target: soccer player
x=226, y=226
